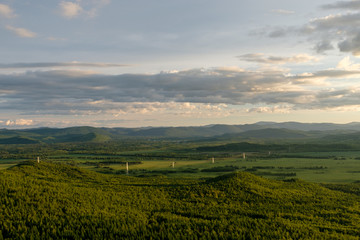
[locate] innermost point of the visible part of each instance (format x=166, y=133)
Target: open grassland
x=322, y=168
x=194, y=160
x=331, y=167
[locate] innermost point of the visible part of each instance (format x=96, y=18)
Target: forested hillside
x=54, y=201
x=246, y=132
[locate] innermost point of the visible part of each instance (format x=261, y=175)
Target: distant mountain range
x=256, y=131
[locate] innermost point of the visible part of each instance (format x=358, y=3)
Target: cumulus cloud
x=70, y=9
x=59, y=64
x=275, y=109
x=19, y=122
x=262, y=58
x=6, y=11
x=347, y=64
x=21, y=32
x=87, y=8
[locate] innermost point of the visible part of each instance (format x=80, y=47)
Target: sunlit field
x=331, y=167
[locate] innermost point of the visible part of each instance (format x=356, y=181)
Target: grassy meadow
x=321, y=167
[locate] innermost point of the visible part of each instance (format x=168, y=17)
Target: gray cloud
x=59, y=64
x=332, y=73
x=352, y=44
x=341, y=30
x=351, y=5
x=278, y=32
x=69, y=92
x=339, y=22
x=261, y=58
x=323, y=46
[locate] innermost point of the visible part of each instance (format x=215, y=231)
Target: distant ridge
x=260, y=130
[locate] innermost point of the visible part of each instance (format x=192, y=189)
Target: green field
x=324, y=167
x=192, y=159
x=313, y=170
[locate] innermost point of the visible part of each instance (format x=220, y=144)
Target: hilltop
x=257, y=131
x=49, y=200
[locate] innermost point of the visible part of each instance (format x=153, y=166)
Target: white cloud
x=275, y=109
x=70, y=9
x=21, y=32
x=19, y=122
x=282, y=11
x=86, y=8
x=6, y=11
x=347, y=64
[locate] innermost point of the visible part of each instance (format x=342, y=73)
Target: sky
x=139, y=63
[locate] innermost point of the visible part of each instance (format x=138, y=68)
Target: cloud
x=261, y=58
x=308, y=78
x=148, y=108
x=278, y=32
x=347, y=64
x=323, y=46
x=282, y=11
x=339, y=30
x=59, y=64
x=21, y=32
x=188, y=92
x=275, y=109
x=339, y=22
x=70, y=9
x=351, y=5
x=64, y=91
x=87, y=8
x=6, y=11
x=351, y=44
x=18, y=122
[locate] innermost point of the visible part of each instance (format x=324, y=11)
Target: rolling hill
x=57, y=201
x=262, y=130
